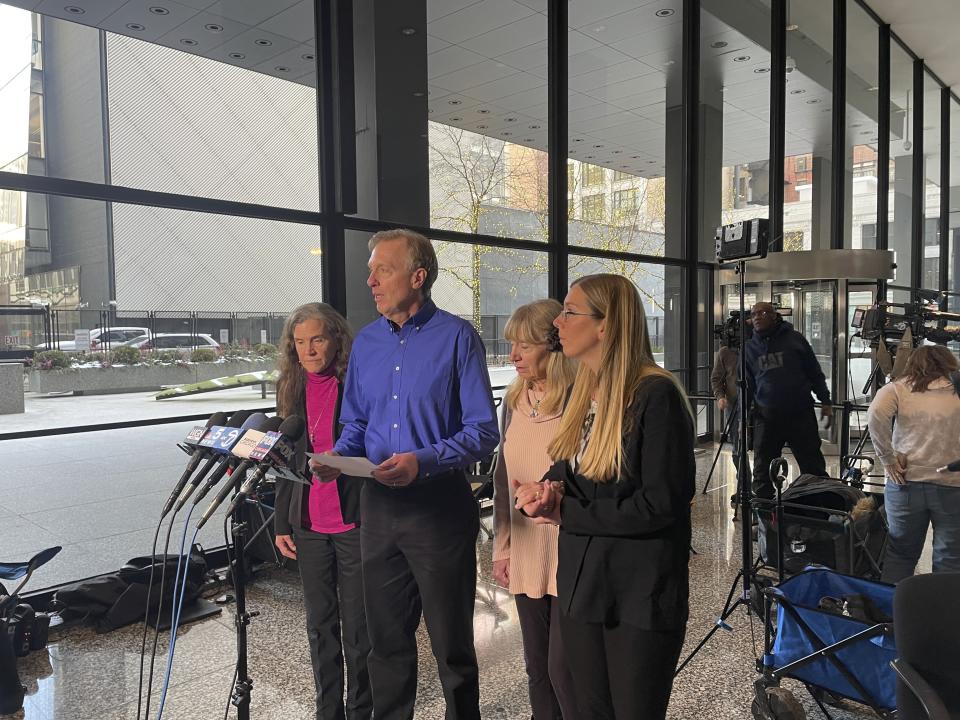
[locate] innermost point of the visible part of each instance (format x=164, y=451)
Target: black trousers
x=419, y=556
x=620, y=672
x=548, y=675
x=333, y=597
x=772, y=429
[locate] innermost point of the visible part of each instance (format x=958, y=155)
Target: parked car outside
x=184, y=342
x=100, y=338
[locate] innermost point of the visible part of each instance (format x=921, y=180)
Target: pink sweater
x=322, y=512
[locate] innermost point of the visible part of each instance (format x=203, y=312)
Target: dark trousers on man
x=620, y=672
x=548, y=673
x=333, y=598
x=774, y=428
x=419, y=556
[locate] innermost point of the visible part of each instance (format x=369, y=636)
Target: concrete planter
x=97, y=381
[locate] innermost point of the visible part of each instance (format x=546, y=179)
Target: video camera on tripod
x=728, y=332
x=894, y=330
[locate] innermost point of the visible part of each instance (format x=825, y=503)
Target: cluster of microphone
x=232, y=447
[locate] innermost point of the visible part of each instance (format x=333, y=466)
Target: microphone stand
x=244, y=683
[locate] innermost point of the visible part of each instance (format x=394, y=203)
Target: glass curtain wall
x=900, y=208
x=862, y=114
x=932, y=143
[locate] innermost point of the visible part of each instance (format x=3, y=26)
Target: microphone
x=193, y=438
x=952, y=467
x=275, y=448
x=216, y=431
x=222, y=447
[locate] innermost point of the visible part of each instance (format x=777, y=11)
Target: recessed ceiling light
x=510, y=119
x=853, y=125
x=634, y=157
x=589, y=157
x=506, y=134
x=456, y=119
x=797, y=92
x=483, y=111
x=624, y=166
x=157, y=10
x=761, y=71
x=136, y=27
x=578, y=139
x=282, y=68
x=791, y=28
x=665, y=12
x=481, y=127
x=263, y=42
x=213, y=27
x=597, y=147
x=454, y=102
x=309, y=57
x=408, y=31
x=74, y=10
x=617, y=152
x=864, y=132
x=528, y=139
x=187, y=41
x=813, y=101
x=718, y=44
x=237, y=56
x=534, y=127
x=741, y=58
x=651, y=162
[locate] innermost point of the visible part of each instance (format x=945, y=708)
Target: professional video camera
x=728, y=332
x=893, y=330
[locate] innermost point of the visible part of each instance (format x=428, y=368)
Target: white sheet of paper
x=356, y=466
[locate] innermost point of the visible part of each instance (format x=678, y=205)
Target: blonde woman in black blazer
x=620, y=490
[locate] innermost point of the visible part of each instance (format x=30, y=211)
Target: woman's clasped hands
x=540, y=500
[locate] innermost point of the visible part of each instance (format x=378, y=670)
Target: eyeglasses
x=567, y=314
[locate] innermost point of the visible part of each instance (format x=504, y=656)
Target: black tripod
x=724, y=438
x=243, y=685
x=745, y=573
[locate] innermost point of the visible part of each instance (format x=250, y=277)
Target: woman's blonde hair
x=532, y=323
x=292, y=380
x=926, y=364
x=626, y=361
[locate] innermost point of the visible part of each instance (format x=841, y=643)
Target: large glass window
x=808, y=133
x=218, y=103
x=484, y=285
x=900, y=210
x=735, y=115
x=624, y=117
x=932, y=97
x=860, y=156
x=953, y=237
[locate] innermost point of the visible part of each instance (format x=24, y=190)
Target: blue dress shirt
x=421, y=388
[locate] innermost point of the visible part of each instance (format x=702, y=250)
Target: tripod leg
x=721, y=622
x=724, y=436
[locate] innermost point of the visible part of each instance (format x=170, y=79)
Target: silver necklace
x=535, y=405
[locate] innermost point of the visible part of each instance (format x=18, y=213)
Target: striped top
x=531, y=548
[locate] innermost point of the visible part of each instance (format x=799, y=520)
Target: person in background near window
x=525, y=552
x=620, y=490
x=915, y=428
x=317, y=525
x=418, y=403
x=782, y=372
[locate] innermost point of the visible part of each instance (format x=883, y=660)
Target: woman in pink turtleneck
x=318, y=525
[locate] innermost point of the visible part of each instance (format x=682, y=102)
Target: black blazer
x=292, y=495
x=625, y=544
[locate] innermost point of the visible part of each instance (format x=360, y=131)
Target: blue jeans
x=910, y=510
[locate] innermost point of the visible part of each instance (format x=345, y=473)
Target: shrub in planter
x=233, y=351
x=50, y=359
x=265, y=350
x=124, y=355
x=203, y=355
x=171, y=357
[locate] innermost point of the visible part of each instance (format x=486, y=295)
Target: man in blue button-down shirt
x=418, y=402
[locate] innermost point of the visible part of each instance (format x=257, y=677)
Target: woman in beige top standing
x=524, y=552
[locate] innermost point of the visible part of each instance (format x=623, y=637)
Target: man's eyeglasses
x=567, y=314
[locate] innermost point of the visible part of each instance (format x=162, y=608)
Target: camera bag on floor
x=825, y=522
x=111, y=601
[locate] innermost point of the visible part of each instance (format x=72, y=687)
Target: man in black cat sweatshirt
x=782, y=372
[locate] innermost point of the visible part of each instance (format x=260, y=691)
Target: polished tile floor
x=85, y=676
